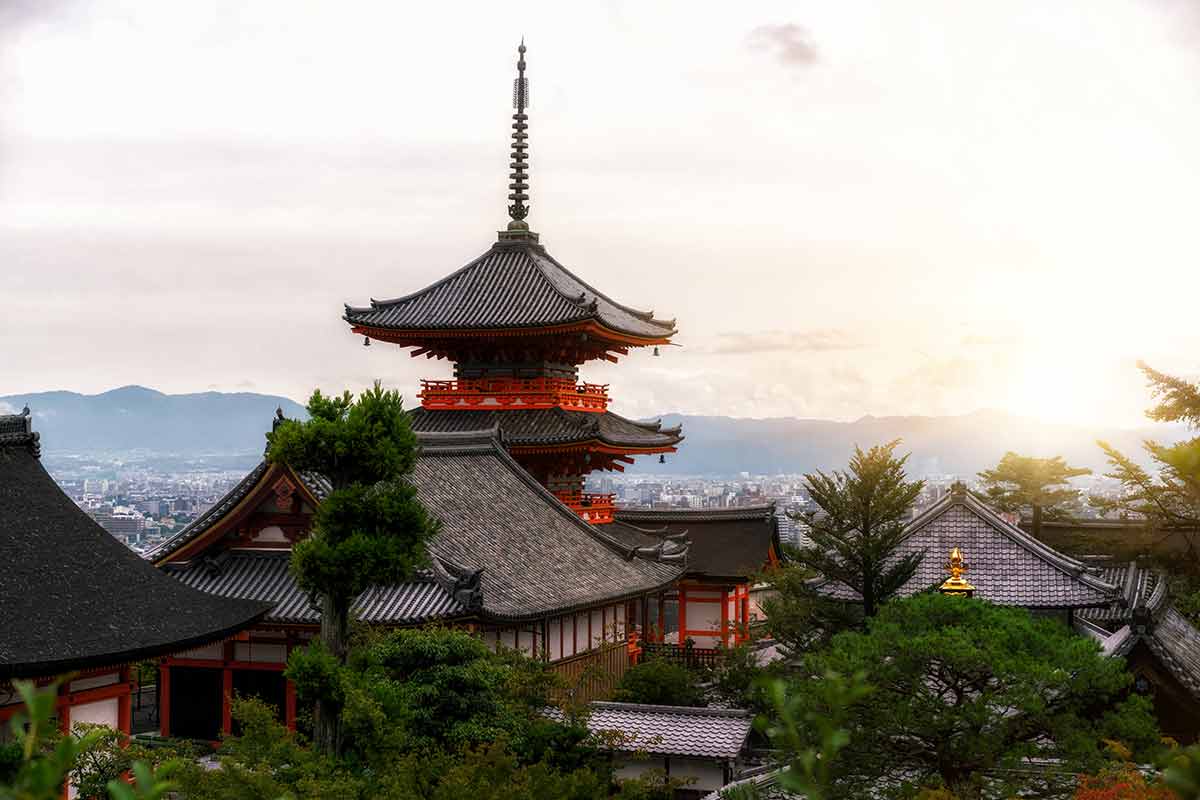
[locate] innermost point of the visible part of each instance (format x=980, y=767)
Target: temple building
x=77, y=604
x=1004, y=565
x=1125, y=608
x=712, y=604
x=517, y=325
x=509, y=561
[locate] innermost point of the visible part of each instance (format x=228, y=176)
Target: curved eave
x=61, y=666
x=593, y=446
x=421, y=337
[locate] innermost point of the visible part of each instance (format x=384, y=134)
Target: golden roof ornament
x=957, y=585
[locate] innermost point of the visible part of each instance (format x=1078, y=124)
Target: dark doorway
x=267, y=685
x=195, y=703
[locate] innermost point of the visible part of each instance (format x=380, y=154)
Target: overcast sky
x=851, y=208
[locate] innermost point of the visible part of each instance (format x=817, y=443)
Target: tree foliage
x=961, y=688
x=371, y=528
x=1168, y=498
x=1038, y=484
x=42, y=760
x=865, y=510
x=658, y=681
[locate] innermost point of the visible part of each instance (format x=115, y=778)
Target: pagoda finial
x=519, y=177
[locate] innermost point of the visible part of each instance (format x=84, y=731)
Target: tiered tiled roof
x=1006, y=565
x=507, y=549
x=723, y=543
x=72, y=596
x=551, y=426
x=512, y=285
x=717, y=733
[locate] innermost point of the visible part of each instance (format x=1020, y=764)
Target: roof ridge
x=654, y=708
x=765, y=511
x=439, y=282
x=1060, y=561
x=645, y=316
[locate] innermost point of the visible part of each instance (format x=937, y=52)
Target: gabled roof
x=1005, y=565
x=1139, y=588
x=551, y=427
x=717, y=733
x=538, y=557
x=521, y=553
x=72, y=596
x=723, y=542
x=513, y=285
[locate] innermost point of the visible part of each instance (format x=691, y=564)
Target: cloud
x=820, y=340
x=792, y=44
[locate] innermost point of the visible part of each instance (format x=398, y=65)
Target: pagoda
x=518, y=325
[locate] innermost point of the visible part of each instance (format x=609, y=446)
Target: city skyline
x=838, y=204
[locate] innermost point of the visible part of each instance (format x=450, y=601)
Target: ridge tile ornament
x=956, y=584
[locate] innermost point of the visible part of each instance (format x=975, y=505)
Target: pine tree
x=1170, y=499
x=1039, y=484
x=865, y=512
x=370, y=529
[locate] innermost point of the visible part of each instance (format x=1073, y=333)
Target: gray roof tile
x=718, y=733
x=265, y=576
x=541, y=426
x=512, y=285
x=1005, y=565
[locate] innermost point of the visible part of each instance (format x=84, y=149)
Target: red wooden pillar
x=289, y=705
x=164, y=698
x=725, y=616
x=125, y=705
x=682, y=615
x=227, y=700
x=745, y=605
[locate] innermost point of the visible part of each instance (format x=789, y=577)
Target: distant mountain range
x=136, y=418
x=213, y=423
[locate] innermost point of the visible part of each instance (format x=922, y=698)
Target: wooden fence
x=592, y=675
x=689, y=655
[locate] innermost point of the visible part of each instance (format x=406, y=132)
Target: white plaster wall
x=709, y=774
x=273, y=534
x=101, y=712
x=581, y=632
x=627, y=767
x=555, y=629
x=526, y=642
x=597, y=627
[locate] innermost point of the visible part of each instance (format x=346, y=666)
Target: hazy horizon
x=852, y=209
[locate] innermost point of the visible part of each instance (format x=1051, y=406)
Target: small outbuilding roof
x=72, y=596
x=718, y=733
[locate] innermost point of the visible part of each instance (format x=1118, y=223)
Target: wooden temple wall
x=95, y=696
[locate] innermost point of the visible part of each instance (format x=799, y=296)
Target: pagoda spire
x=519, y=177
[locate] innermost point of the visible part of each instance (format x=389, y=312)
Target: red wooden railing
x=495, y=393
x=594, y=508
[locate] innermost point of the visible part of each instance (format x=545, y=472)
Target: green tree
x=962, y=687
x=38, y=761
x=1039, y=484
x=1169, y=497
x=865, y=510
x=660, y=682
x=370, y=529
